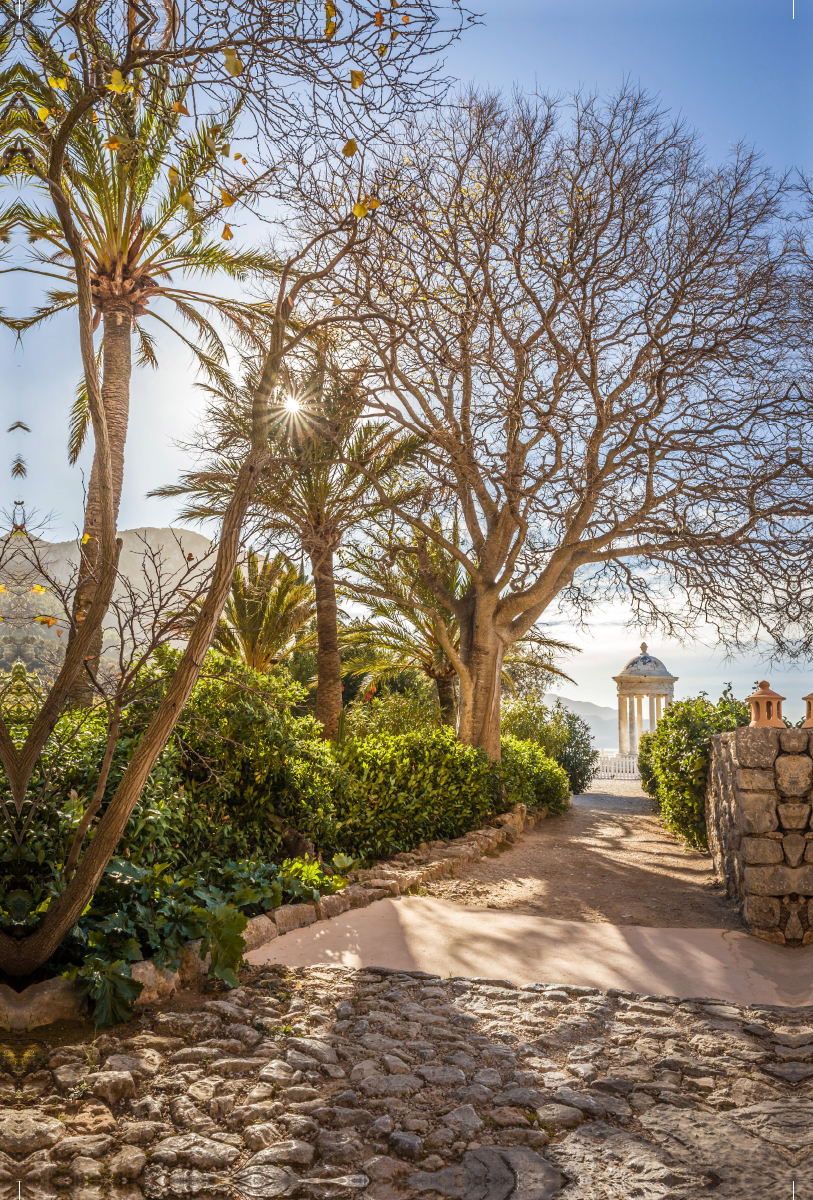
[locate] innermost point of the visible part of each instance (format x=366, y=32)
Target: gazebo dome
x=645, y=666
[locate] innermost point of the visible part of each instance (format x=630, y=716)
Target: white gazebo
x=644, y=677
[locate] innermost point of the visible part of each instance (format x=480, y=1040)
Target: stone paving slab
x=424, y=933
x=388, y=1084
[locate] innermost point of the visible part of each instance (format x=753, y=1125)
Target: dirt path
x=608, y=859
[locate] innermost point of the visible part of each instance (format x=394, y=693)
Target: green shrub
x=530, y=777
x=674, y=760
x=562, y=734
x=529, y=719
x=409, y=711
x=398, y=791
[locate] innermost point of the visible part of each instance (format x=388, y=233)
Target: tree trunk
x=446, y=697
x=328, y=662
x=116, y=372
x=482, y=651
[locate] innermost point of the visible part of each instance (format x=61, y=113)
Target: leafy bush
x=395, y=712
x=398, y=791
x=530, y=777
x=674, y=760
x=529, y=719
x=562, y=734
x=577, y=756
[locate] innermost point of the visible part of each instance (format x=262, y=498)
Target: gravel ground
x=608, y=859
x=328, y=1082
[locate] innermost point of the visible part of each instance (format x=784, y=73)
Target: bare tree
x=582, y=320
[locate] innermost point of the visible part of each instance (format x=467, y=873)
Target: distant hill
x=602, y=720
x=173, y=544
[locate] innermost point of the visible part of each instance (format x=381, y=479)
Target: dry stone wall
x=758, y=808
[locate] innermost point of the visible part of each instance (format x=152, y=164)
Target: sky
x=736, y=69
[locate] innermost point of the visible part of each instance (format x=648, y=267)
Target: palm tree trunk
x=116, y=372
x=446, y=697
x=328, y=661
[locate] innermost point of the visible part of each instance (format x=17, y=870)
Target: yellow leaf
x=94, y=118
x=174, y=176
x=393, y=35
x=359, y=210
x=238, y=155
x=180, y=108
x=227, y=198
x=60, y=84
x=394, y=3
x=350, y=148
x=86, y=538
x=43, y=113
x=405, y=19
x=3, y=589
x=49, y=621
x=186, y=200
x=330, y=9
x=232, y=62
x=382, y=50
x=374, y=203
x=73, y=56
x=356, y=79
x=38, y=588
x=227, y=234
x=210, y=143
x=225, y=150
x=330, y=29
x=379, y=19
x=113, y=143
x=117, y=83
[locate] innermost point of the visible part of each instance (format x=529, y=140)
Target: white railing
x=617, y=766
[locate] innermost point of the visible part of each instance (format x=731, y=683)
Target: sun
x=292, y=404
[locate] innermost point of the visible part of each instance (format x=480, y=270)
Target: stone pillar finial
x=644, y=647
x=808, y=711
x=766, y=707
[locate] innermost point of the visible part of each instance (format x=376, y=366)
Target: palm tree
x=140, y=229
x=403, y=632
x=318, y=486
x=269, y=607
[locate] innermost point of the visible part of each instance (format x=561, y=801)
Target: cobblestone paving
x=329, y=1082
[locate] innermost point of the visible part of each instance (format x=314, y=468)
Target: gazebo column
x=623, y=725
x=653, y=720
x=639, y=720
x=659, y=704
x=633, y=742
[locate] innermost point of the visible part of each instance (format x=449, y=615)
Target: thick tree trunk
x=328, y=661
x=446, y=697
x=116, y=372
x=482, y=651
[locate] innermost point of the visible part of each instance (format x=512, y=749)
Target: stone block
x=755, y=781
x=192, y=966
x=793, y=816
x=794, y=774
x=332, y=906
x=794, y=846
x=157, y=982
x=357, y=896
x=762, y=912
x=780, y=880
x=793, y=741
x=294, y=916
x=41, y=1004
x=759, y=851
x=259, y=930
x=758, y=812
x=757, y=748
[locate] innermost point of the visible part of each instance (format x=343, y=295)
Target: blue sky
x=736, y=69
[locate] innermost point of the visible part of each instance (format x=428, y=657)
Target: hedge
x=674, y=760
